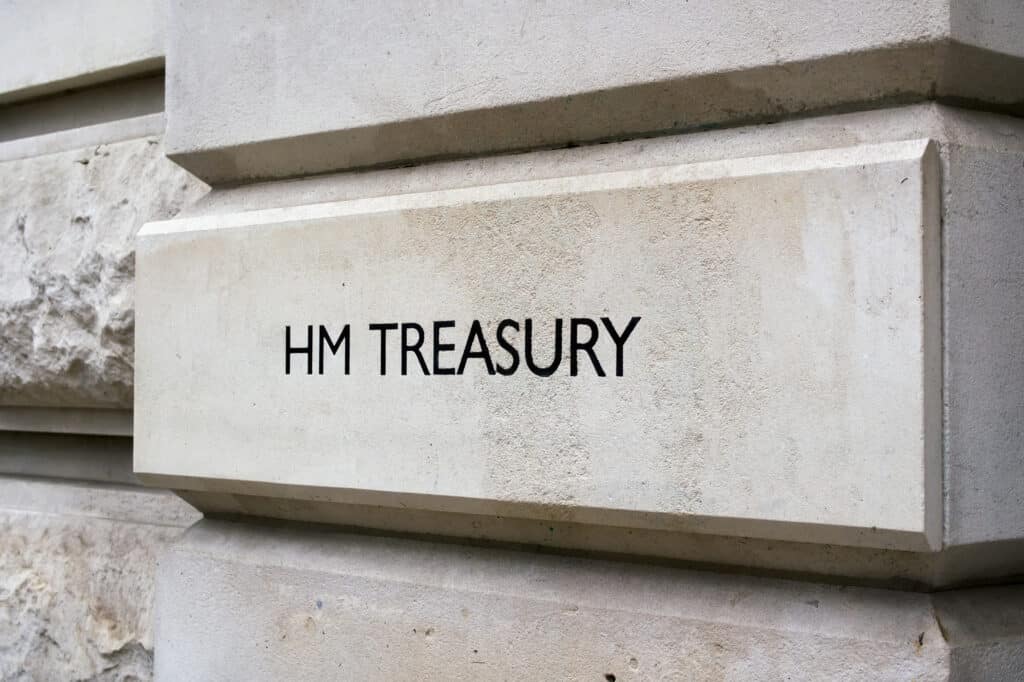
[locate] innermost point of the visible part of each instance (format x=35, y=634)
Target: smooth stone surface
x=513, y=76
x=983, y=350
x=59, y=44
x=67, y=230
x=77, y=578
x=293, y=603
x=955, y=566
x=782, y=383
x=983, y=268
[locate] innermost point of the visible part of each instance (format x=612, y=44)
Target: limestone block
x=982, y=159
x=983, y=250
x=291, y=603
x=55, y=45
x=447, y=81
x=77, y=578
x=67, y=227
x=782, y=379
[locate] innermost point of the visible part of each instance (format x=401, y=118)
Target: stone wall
x=67, y=258
x=77, y=565
x=813, y=467
x=80, y=171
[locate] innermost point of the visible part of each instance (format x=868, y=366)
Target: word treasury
x=508, y=347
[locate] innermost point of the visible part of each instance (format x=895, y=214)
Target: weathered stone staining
x=453, y=83
x=467, y=614
x=793, y=349
x=497, y=349
x=505, y=338
x=77, y=564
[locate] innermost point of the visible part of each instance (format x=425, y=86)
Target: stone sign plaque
x=741, y=347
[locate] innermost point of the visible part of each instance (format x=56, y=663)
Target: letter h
x=289, y=349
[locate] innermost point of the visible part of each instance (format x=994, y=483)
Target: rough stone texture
x=289, y=603
x=77, y=578
x=517, y=75
x=67, y=227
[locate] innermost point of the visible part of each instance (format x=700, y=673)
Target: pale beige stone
x=67, y=228
x=779, y=385
x=982, y=158
x=47, y=47
x=455, y=81
x=293, y=603
x=77, y=578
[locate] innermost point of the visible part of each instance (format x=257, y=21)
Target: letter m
x=333, y=345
